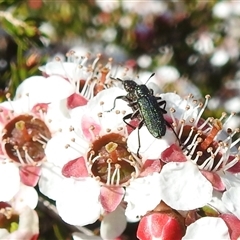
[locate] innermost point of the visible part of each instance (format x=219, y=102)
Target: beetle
x=148, y=108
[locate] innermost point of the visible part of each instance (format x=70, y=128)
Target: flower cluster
x=66, y=131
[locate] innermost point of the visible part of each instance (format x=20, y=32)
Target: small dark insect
x=148, y=108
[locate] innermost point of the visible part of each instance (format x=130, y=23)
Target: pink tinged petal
x=231, y=200
x=151, y=147
x=159, y=225
x=50, y=180
x=5, y=112
x=208, y=228
x=110, y=198
x=113, y=224
x=233, y=224
x=26, y=196
x=183, y=187
x=214, y=179
x=78, y=203
x=76, y=100
x=89, y=127
x=142, y=195
x=30, y=175
x=75, y=168
x=151, y=166
x=9, y=181
x=173, y=154
x=42, y=106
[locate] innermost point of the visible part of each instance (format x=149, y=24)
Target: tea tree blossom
x=204, y=145
x=97, y=167
x=87, y=78
x=26, y=126
x=207, y=228
x=18, y=219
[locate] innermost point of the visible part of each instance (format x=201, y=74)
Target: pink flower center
x=24, y=139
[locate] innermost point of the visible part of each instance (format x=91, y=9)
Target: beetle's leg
x=131, y=116
x=132, y=103
x=151, y=91
x=139, y=143
x=170, y=125
x=162, y=103
x=114, y=103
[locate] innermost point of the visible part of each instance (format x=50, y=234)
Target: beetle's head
x=129, y=85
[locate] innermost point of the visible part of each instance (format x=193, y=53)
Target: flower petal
x=173, y=154
x=77, y=203
x=183, y=187
x=233, y=224
x=9, y=181
x=150, y=147
x=142, y=195
x=75, y=168
x=50, y=180
x=230, y=180
x=214, y=179
x=76, y=100
x=110, y=198
x=151, y=166
x=89, y=127
x=44, y=90
x=113, y=224
x=231, y=200
x=65, y=153
x=207, y=228
x=30, y=175
x=26, y=196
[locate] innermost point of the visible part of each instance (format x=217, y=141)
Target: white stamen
x=109, y=171
x=202, y=109
x=28, y=158
x=116, y=172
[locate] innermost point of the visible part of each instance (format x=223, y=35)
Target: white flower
x=183, y=187
x=142, y=195
x=207, y=228
x=86, y=79
x=85, y=166
x=20, y=207
x=230, y=199
x=27, y=123
x=8, y=188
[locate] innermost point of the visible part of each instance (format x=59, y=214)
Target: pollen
x=111, y=146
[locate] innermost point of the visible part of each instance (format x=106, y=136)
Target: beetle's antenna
x=117, y=79
x=149, y=78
